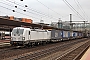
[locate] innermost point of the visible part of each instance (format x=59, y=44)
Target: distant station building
x=75, y=26
x=63, y=25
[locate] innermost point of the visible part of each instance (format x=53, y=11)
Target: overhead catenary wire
x=70, y=7
x=15, y=11
x=79, y=7
x=18, y=12
x=82, y=10
x=12, y=6
x=73, y=9
x=32, y=10
x=35, y=13
x=25, y=14
x=21, y=5
x=49, y=8
x=76, y=16
x=18, y=7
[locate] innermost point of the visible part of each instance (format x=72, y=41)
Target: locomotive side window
x=29, y=32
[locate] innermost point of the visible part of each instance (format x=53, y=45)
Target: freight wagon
x=56, y=35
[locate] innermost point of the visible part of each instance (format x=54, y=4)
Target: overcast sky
x=47, y=10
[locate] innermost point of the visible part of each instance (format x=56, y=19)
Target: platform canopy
x=7, y=25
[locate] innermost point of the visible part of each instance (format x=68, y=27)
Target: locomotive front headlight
x=23, y=38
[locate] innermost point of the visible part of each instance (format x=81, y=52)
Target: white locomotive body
x=27, y=36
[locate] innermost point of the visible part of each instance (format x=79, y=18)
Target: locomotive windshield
x=17, y=31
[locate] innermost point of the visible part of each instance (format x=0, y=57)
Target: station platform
x=4, y=43
x=86, y=56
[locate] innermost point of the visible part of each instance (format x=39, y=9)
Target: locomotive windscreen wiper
x=17, y=31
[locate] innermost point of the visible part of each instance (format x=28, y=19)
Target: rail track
x=38, y=52
x=75, y=53
x=12, y=51
x=71, y=53
x=47, y=51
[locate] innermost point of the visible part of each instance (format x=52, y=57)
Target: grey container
x=56, y=34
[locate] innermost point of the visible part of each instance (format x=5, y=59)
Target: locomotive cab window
x=17, y=31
